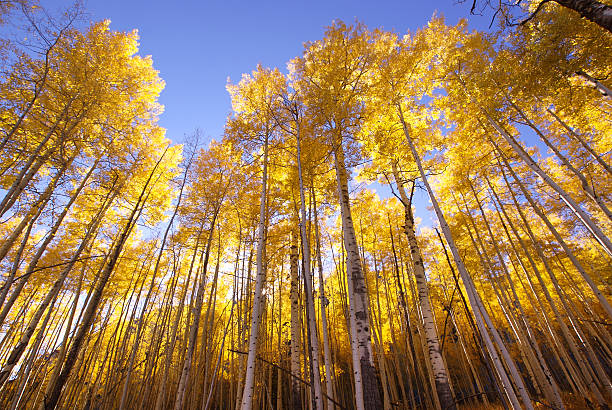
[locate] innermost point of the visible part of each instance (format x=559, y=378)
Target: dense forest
x=262, y=270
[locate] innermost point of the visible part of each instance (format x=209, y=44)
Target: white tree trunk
x=602, y=299
x=471, y=291
x=312, y=325
x=573, y=205
x=326, y=350
x=433, y=346
x=258, y=299
x=294, y=347
x=582, y=142
x=367, y=395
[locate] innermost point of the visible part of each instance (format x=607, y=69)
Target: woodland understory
x=283, y=265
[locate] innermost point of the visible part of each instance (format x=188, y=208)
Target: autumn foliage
x=284, y=264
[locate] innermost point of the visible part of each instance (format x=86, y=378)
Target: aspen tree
x=332, y=95
x=91, y=309
x=254, y=97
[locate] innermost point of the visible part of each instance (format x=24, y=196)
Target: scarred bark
x=367, y=394
x=433, y=346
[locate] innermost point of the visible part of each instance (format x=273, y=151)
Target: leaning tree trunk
x=582, y=142
x=41, y=249
x=545, y=378
x=141, y=322
x=592, y=10
x=161, y=394
x=18, y=350
x=92, y=307
x=88, y=317
x=467, y=281
x=35, y=161
x=440, y=372
x=593, y=82
x=586, y=219
x=571, y=203
x=586, y=187
x=195, y=324
x=34, y=212
x=602, y=299
x=367, y=394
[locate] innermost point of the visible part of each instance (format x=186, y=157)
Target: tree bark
x=602, y=299
x=592, y=10
x=310, y=308
x=479, y=313
x=295, y=342
x=91, y=309
x=367, y=394
x=582, y=142
x=571, y=203
x=326, y=348
x=18, y=350
x=195, y=324
x=596, y=84
x=586, y=187
x=440, y=372
x=259, y=297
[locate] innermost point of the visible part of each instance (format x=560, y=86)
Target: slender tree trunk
x=567, y=364
x=571, y=203
x=323, y=304
x=551, y=389
x=586, y=187
x=259, y=297
x=582, y=362
x=593, y=82
x=367, y=394
x=487, y=265
x=294, y=347
x=433, y=346
x=195, y=324
x=310, y=307
x=152, y=285
x=35, y=210
x=91, y=309
x=602, y=299
x=29, y=360
x=582, y=142
x=471, y=291
x=18, y=350
x=33, y=164
x=219, y=356
x=64, y=345
x=161, y=395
